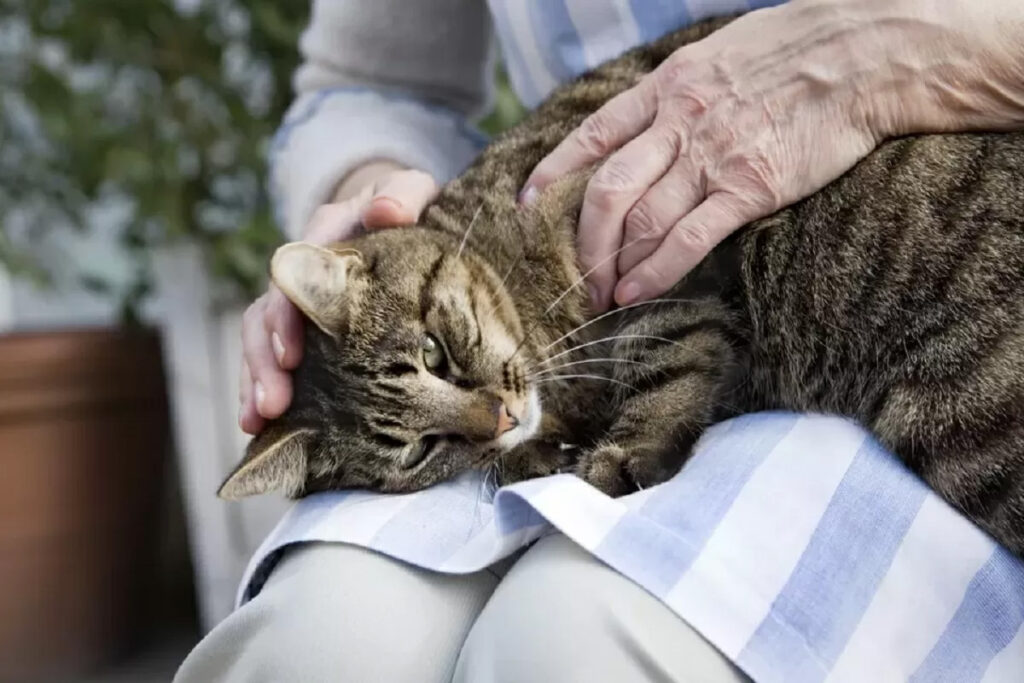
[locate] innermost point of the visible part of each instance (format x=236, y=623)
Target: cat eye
x=433, y=354
x=420, y=450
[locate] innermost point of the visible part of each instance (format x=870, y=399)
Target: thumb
x=398, y=199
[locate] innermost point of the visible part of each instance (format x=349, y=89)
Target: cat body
x=894, y=296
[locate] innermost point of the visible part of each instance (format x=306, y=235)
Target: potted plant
x=127, y=131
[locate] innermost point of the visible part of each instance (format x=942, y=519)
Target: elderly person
x=775, y=105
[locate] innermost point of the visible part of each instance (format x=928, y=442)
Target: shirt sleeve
x=381, y=79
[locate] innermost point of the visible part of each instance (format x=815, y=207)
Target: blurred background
x=135, y=226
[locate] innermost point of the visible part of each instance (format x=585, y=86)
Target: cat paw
x=617, y=471
x=535, y=460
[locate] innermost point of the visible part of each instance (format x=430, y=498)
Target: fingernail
x=528, y=196
x=260, y=395
x=628, y=293
x=387, y=200
x=595, y=295
x=275, y=341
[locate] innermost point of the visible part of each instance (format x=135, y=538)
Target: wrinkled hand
x=761, y=113
x=272, y=326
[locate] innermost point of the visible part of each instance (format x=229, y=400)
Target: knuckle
x=687, y=90
x=760, y=174
x=692, y=104
x=251, y=358
x=694, y=238
x=275, y=313
x=654, y=274
x=324, y=213
x=272, y=319
x=684, y=82
x=419, y=176
x=590, y=258
x=587, y=258
x=594, y=134
x=254, y=333
x=254, y=312
x=751, y=181
x=672, y=135
x=673, y=72
x=614, y=177
x=640, y=224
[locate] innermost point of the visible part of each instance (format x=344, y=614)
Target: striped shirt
x=548, y=42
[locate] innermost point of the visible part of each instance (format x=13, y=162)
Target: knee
x=543, y=621
x=285, y=632
x=335, y=612
x=562, y=615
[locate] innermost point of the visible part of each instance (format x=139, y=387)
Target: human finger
x=399, y=198
x=283, y=323
x=272, y=386
x=333, y=223
x=684, y=246
x=676, y=194
x=249, y=419
x=610, y=194
x=620, y=119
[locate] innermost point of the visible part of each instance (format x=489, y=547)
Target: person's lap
x=562, y=615
x=339, y=612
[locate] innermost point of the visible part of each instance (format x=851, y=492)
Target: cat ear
x=274, y=460
x=315, y=279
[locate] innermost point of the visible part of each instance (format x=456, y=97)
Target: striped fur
x=894, y=296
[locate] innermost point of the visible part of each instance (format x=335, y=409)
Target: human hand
x=760, y=114
x=378, y=195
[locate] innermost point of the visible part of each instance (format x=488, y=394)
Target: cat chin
x=528, y=425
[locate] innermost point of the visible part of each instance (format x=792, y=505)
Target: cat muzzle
x=507, y=421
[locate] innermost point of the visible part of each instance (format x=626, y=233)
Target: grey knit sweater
x=381, y=79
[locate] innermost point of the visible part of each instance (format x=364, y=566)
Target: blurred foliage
x=166, y=107
x=162, y=107
x=507, y=111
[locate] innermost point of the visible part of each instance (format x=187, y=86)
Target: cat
x=894, y=296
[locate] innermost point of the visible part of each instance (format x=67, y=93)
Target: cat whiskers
x=627, y=361
x=568, y=289
x=511, y=268
x=494, y=474
x=469, y=229
x=613, y=312
x=615, y=337
x=504, y=281
x=560, y=378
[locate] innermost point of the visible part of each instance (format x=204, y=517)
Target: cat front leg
x=532, y=460
x=674, y=367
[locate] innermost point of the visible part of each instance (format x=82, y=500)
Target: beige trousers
x=332, y=612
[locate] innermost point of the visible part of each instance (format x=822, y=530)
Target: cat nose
x=506, y=421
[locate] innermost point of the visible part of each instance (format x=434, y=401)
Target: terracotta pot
x=83, y=440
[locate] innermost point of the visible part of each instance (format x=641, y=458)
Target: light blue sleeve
x=381, y=79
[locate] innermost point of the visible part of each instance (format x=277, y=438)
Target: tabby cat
x=894, y=296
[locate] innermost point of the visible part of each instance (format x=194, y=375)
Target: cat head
x=412, y=372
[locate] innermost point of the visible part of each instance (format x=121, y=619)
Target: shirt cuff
x=329, y=132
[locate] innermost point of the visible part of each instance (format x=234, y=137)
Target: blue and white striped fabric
x=547, y=42
x=795, y=544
